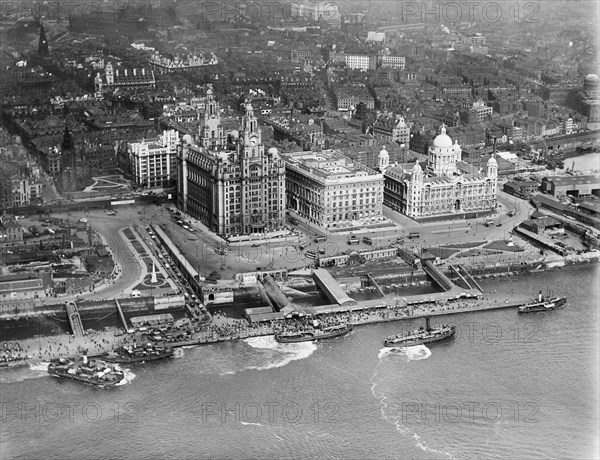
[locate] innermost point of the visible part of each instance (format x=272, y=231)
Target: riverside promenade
x=223, y=328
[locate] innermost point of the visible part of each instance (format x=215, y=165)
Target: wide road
x=199, y=246
x=108, y=227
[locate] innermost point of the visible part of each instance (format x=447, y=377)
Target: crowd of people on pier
x=223, y=327
x=12, y=352
x=50, y=348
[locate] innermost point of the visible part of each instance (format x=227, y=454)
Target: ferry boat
x=138, y=354
x=421, y=336
x=92, y=371
x=318, y=332
x=543, y=303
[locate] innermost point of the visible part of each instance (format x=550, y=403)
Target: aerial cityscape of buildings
x=203, y=172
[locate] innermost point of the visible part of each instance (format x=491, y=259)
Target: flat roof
x=333, y=288
x=261, y=317
x=573, y=180
x=20, y=285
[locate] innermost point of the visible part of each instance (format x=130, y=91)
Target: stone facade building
x=233, y=192
x=446, y=187
x=153, y=162
x=329, y=189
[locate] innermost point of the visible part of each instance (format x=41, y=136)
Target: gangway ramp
x=74, y=319
x=121, y=315
x=470, y=277
x=437, y=276
x=455, y=270
x=331, y=288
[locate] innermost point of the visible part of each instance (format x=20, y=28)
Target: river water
x=507, y=386
x=589, y=161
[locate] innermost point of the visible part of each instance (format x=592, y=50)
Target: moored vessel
x=92, y=371
x=421, y=336
x=543, y=303
x=137, y=354
x=317, y=332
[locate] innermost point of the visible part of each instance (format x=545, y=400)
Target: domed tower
x=443, y=155
x=212, y=134
x=590, y=84
x=492, y=168
x=417, y=173
x=383, y=159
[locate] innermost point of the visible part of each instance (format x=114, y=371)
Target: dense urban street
x=299, y=229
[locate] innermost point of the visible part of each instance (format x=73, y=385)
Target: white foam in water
x=178, y=353
x=42, y=367
x=277, y=354
x=291, y=352
x=20, y=373
x=267, y=341
x=129, y=376
x=387, y=412
x=251, y=423
x=416, y=353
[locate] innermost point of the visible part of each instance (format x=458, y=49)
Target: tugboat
x=318, y=332
x=94, y=371
x=543, y=304
x=421, y=336
x=130, y=354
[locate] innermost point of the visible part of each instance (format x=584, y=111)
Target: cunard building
x=232, y=191
x=446, y=187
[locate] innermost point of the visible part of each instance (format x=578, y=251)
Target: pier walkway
x=331, y=288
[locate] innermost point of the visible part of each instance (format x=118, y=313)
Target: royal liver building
x=444, y=188
x=233, y=188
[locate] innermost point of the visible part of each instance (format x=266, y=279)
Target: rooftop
x=327, y=164
x=572, y=180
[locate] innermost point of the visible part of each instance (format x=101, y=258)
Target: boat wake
x=40, y=367
x=178, y=353
x=385, y=389
x=129, y=376
x=251, y=423
x=272, y=354
x=20, y=373
x=416, y=353
x=267, y=341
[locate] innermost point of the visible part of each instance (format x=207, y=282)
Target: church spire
x=43, y=43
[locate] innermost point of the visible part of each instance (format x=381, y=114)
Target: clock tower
x=252, y=142
x=239, y=192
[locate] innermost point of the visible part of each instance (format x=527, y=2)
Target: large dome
x=592, y=78
x=442, y=140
